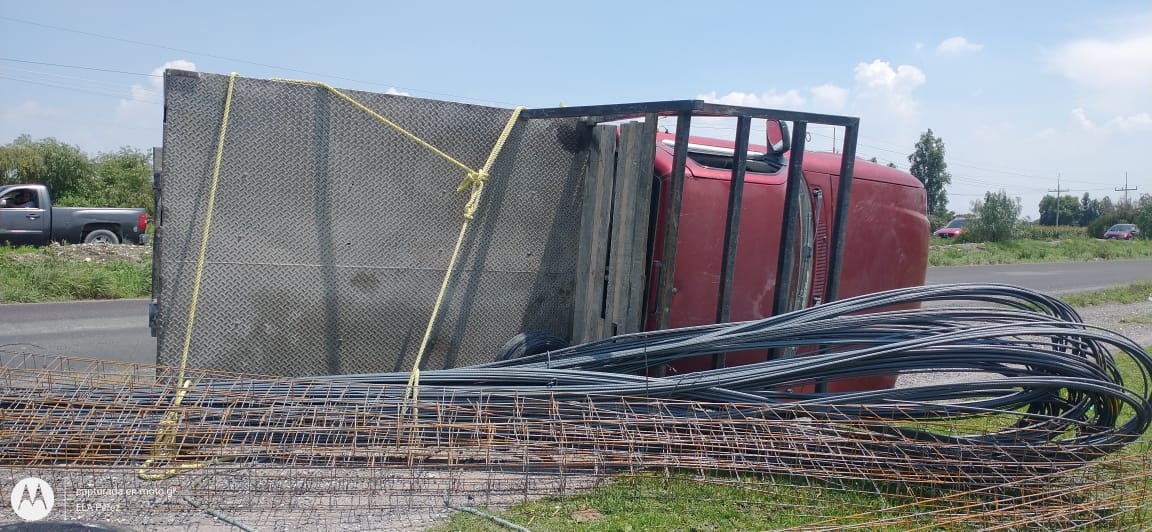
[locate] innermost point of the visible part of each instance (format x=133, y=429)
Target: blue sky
x=1021, y=92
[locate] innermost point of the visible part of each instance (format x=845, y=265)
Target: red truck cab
x=884, y=249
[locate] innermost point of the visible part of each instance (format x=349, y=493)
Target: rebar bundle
x=1038, y=420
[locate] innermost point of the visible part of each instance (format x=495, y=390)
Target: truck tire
x=530, y=343
x=101, y=236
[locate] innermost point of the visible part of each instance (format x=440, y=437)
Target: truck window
x=20, y=198
x=722, y=158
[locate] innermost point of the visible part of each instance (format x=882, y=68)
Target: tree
x=1143, y=215
x=1089, y=210
x=63, y=168
x=996, y=217
x=117, y=179
x=927, y=165
x=125, y=178
x=1106, y=206
x=1065, y=210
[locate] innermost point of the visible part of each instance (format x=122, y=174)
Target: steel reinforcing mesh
x=1029, y=419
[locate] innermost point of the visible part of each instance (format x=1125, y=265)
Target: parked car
x=955, y=227
x=1122, y=232
x=27, y=218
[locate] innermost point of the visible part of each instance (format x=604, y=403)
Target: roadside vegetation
x=1024, y=250
x=122, y=178
x=64, y=273
x=1132, y=293
x=683, y=501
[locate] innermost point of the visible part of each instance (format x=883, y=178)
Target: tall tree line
x=122, y=178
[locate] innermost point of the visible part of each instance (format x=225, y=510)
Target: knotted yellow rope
x=474, y=179
x=166, y=446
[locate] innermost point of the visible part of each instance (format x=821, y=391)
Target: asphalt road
x=108, y=330
x=1051, y=278
x=118, y=330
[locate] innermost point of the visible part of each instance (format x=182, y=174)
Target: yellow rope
x=165, y=445
x=377, y=116
x=476, y=180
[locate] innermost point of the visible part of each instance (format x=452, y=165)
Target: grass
x=714, y=502
x=1047, y=232
x=49, y=278
x=1132, y=293
x=945, y=253
x=686, y=502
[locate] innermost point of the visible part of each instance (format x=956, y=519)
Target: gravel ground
x=89, y=253
x=1133, y=320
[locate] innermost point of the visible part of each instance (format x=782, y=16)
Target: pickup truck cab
x=27, y=218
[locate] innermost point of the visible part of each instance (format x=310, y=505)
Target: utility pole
x=1058, y=191
x=1124, y=190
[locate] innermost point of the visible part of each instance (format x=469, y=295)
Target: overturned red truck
x=331, y=231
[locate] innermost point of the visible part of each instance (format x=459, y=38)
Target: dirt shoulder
x=1131, y=320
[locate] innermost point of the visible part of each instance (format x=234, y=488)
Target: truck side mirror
x=779, y=139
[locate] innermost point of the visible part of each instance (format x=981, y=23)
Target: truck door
x=21, y=226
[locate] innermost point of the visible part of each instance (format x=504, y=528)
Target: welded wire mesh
x=1044, y=431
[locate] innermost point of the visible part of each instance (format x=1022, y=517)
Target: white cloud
x=28, y=110
x=144, y=106
x=958, y=45
x=31, y=118
x=1108, y=65
x=1130, y=122
x=891, y=86
x=1082, y=119
x=786, y=100
x=396, y=92
x=829, y=96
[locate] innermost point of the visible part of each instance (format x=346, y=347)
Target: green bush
x=1143, y=219
x=996, y=218
x=1015, y=251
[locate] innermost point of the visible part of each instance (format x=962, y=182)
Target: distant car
x=1122, y=232
x=953, y=228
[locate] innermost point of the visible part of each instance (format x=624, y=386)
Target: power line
x=76, y=89
x=290, y=69
x=52, y=77
x=238, y=60
x=78, y=67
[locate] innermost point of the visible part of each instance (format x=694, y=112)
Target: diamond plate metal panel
x=331, y=232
